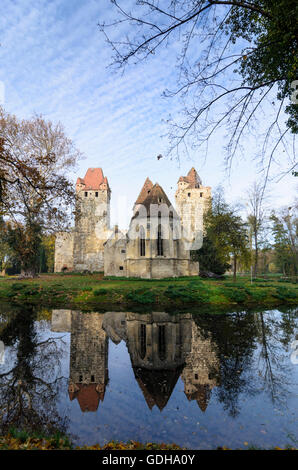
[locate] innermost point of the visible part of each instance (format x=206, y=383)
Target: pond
x=199, y=380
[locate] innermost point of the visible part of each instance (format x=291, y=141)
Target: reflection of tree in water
x=275, y=333
x=27, y=392
x=250, y=347
x=234, y=336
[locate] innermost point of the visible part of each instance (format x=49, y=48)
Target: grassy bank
x=22, y=440
x=94, y=290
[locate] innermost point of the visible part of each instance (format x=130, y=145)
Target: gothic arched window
x=159, y=241
x=142, y=242
x=142, y=341
x=162, y=342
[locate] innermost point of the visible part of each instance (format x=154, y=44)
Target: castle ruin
x=158, y=241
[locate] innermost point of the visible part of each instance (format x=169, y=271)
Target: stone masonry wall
x=91, y=230
x=64, y=251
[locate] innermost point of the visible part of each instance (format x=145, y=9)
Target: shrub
x=16, y=286
x=284, y=293
x=257, y=295
x=100, y=291
x=238, y=285
x=141, y=296
x=235, y=295
x=189, y=293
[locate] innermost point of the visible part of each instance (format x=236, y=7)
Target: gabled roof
x=93, y=179
x=156, y=196
x=157, y=385
x=148, y=185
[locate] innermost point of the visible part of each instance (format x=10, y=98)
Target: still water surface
x=199, y=380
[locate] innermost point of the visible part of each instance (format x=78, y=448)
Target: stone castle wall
x=64, y=252
x=83, y=249
x=90, y=246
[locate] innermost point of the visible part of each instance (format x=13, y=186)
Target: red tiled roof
x=93, y=179
x=88, y=396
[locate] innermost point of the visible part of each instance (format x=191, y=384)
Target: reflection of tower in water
x=157, y=344
x=88, y=360
x=201, y=370
x=161, y=347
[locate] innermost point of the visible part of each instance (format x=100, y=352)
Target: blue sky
x=54, y=62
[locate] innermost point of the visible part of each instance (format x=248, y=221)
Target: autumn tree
x=36, y=196
x=236, y=65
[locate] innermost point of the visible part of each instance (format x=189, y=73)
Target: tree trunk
x=256, y=255
x=28, y=273
x=234, y=267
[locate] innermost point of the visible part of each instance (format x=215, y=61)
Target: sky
x=54, y=61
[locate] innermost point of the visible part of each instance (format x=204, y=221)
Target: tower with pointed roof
x=82, y=249
x=192, y=199
x=201, y=372
x=88, y=372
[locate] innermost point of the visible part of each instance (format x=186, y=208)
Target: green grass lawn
x=94, y=289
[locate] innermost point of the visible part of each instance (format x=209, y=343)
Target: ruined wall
x=64, y=252
x=115, y=256
x=61, y=320
x=174, y=262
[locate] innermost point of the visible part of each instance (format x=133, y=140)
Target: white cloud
x=54, y=62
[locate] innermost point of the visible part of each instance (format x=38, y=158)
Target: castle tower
x=92, y=220
x=88, y=360
x=192, y=199
x=201, y=372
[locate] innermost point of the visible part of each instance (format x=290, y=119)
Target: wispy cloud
x=54, y=62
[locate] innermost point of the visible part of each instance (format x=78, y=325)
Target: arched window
x=142, y=242
x=159, y=241
x=142, y=341
x=171, y=219
x=162, y=342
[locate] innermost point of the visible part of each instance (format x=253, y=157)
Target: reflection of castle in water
x=161, y=347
